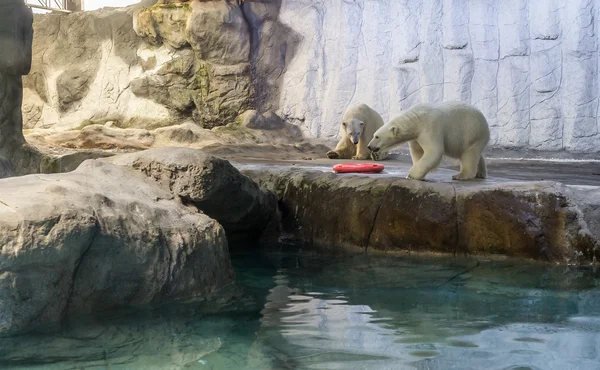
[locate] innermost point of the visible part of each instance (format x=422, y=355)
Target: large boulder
x=100, y=237
x=209, y=183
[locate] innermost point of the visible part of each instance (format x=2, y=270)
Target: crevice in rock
x=456, y=218
x=95, y=234
x=171, y=262
x=376, y=215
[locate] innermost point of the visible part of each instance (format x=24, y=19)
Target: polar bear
x=358, y=125
x=453, y=128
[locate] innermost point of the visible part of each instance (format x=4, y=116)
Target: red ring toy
x=358, y=168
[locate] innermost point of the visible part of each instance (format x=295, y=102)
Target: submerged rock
x=539, y=220
x=209, y=183
x=100, y=237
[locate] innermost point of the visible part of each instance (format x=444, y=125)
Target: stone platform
x=541, y=210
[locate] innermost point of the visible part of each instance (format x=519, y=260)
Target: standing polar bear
x=358, y=126
x=455, y=129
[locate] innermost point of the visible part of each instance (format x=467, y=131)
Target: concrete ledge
x=545, y=220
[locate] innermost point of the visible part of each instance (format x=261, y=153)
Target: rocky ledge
x=539, y=220
x=139, y=228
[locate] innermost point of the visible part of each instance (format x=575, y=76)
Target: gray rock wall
x=530, y=65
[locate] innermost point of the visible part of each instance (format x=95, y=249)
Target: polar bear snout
x=374, y=149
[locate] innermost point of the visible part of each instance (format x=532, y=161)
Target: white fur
x=356, y=130
x=455, y=129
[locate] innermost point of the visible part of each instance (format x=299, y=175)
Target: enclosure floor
x=499, y=169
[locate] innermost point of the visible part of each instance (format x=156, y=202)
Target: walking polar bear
x=359, y=123
x=452, y=128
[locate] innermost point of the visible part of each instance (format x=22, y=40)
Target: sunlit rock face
x=140, y=67
x=530, y=66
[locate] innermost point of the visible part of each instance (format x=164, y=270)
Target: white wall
x=530, y=65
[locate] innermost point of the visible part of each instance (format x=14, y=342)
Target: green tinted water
x=299, y=311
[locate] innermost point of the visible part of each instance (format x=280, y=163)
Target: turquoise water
x=302, y=311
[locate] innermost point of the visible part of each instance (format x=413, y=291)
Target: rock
x=165, y=24
x=267, y=121
x=186, y=133
x=5, y=169
x=233, y=141
x=513, y=94
x=16, y=40
x=73, y=85
x=250, y=119
x=540, y=220
x=218, y=32
x=92, y=58
x=512, y=49
x=15, y=60
x=69, y=161
x=172, y=85
x=209, y=183
x=100, y=237
x=531, y=220
x=102, y=137
x=209, y=78
x=274, y=44
x=210, y=61
x=513, y=16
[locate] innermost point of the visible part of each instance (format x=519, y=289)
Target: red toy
x=358, y=168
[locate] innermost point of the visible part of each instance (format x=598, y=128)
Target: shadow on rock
x=274, y=45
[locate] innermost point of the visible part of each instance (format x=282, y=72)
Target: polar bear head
x=354, y=129
x=383, y=139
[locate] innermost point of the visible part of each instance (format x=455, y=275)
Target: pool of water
x=296, y=310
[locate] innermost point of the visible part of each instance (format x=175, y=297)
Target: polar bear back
x=459, y=125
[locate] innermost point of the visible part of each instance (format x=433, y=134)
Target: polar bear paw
x=332, y=154
x=462, y=177
x=412, y=177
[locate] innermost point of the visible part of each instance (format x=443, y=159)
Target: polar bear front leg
x=343, y=150
x=362, y=151
x=416, y=152
x=428, y=162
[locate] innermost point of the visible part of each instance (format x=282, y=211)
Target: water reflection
x=301, y=311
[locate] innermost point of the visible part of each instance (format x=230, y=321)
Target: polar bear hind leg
x=469, y=164
x=481, y=168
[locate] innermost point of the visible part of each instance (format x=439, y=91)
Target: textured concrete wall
x=531, y=66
